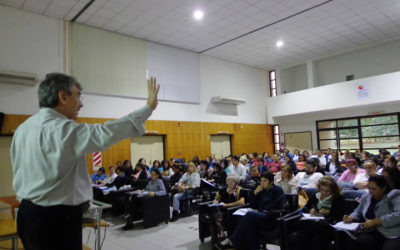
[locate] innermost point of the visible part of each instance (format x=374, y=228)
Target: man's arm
x=80, y=139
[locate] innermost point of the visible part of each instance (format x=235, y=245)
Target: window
x=365, y=133
x=276, y=139
x=272, y=83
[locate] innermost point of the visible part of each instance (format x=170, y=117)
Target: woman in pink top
x=275, y=165
x=352, y=171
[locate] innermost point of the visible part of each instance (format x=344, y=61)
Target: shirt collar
x=52, y=112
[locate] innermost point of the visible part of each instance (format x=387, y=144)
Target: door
x=299, y=140
x=149, y=147
x=220, y=145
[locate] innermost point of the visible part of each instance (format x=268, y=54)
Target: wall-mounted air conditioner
x=18, y=78
x=227, y=100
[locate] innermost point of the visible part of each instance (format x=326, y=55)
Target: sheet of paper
x=216, y=205
x=346, y=226
x=312, y=217
x=242, y=211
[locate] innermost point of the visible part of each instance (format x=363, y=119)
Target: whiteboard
x=176, y=70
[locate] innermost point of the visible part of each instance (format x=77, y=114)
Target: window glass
x=379, y=120
x=381, y=142
x=347, y=123
x=348, y=133
x=383, y=130
x=328, y=134
x=328, y=124
x=349, y=144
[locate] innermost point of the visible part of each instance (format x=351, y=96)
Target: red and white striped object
x=97, y=163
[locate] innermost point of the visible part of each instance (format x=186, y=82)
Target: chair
x=8, y=231
x=187, y=207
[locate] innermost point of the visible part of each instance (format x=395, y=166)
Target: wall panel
x=182, y=139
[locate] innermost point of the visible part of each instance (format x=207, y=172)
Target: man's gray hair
x=54, y=83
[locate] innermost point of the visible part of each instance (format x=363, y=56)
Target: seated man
x=309, y=178
x=269, y=199
x=189, y=181
x=237, y=168
x=155, y=187
x=99, y=176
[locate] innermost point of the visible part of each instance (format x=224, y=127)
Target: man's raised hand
x=153, y=89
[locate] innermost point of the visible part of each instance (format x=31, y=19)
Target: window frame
x=271, y=89
x=276, y=143
x=359, y=127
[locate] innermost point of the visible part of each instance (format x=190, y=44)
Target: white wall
x=370, y=61
x=307, y=122
x=294, y=78
x=36, y=46
x=383, y=89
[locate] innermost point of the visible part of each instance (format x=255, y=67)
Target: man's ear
x=62, y=97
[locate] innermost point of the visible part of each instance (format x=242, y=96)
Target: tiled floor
x=182, y=234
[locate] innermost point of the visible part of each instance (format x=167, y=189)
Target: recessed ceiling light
x=198, y=14
x=279, y=44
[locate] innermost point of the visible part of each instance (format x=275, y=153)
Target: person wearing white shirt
x=237, y=168
x=322, y=159
x=361, y=180
x=309, y=178
x=49, y=164
x=111, y=175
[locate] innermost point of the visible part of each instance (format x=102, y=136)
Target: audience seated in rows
x=327, y=202
x=228, y=197
x=268, y=199
x=189, y=181
x=378, y=212
x=310, y=177
x=155, y=187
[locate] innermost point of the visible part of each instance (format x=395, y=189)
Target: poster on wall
x=362, y=90
x=97, y=162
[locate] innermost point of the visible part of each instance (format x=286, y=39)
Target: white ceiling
x=334, y=27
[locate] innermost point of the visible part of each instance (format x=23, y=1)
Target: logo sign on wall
x=362, y=90
x=97, y=163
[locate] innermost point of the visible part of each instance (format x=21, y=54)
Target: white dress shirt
x=240, y=171
x=48, y=154
x=308, y=181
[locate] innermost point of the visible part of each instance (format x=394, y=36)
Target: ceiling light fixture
x=198, y=14
x=279, y=44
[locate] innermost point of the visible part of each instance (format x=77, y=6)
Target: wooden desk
x=8, y=230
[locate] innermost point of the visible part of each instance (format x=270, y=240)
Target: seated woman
x=334, y=167
x=253, y=180
x=228, y=197
x=327, y=202
x=300, y=163
x=99, y=176
x=120, y=180
x=156, y=165
x=379, y=213
x=286, y=180
x=268, y=199
x=189, y=181
x=110, y=177
x=155, y=187
x=218, y=176
x=139, y=173
x=203, y=171
x=348, y=176
x=291, y=163
x=392, y=176
x=166, y=171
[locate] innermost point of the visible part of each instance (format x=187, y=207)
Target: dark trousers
x=372, y=240
x=245, y=234
x=311, y=235
x=49, y=228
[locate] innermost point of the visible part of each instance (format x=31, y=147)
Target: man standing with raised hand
x=49, y=165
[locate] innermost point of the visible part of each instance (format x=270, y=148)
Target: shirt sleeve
x=78, y=139
x=392, y=219
x=162, y=188
x=343, y=176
